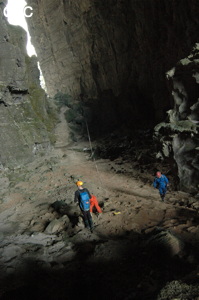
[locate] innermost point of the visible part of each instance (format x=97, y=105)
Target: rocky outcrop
x=26, y=121
x=180, y=135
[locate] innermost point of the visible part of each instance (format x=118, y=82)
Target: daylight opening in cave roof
x=15, y=15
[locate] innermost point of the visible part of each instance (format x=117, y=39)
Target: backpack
x=84, y=201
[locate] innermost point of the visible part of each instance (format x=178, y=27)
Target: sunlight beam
x=15, y=15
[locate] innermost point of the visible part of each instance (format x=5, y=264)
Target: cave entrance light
x=15, y=15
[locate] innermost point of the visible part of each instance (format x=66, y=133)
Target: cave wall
x=113, y=54
x=179, y=136
x=113, y=62
x=25, y=118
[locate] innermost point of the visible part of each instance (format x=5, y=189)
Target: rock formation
x=107, y=64
x=179, y=136
x=121, y=48
x=25, y=117
x=111, y=62
x=119, y=65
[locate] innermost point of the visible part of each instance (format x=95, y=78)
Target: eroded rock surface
x=111, y=62
x=180, y=135
x=113, y=55
x=26, y=120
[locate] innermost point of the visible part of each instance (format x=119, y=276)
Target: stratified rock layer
x=25, y=123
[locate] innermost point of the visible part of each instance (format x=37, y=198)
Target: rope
x=92, y=153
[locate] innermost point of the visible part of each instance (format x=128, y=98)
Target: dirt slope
x=139, y=244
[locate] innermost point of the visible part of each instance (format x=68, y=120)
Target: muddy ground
x=141, y=248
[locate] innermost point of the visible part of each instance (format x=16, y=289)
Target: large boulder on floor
x=58, y=225
x=164, y=242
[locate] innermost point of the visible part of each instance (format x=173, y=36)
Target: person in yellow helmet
x=83, y=196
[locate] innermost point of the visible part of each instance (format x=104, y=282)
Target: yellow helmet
x=78, y=183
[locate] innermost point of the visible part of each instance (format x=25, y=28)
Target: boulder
x=57, y=225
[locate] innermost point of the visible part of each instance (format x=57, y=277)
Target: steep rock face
x=180, y=136
x=114, y=52
x=25, y=124
x=114, y=59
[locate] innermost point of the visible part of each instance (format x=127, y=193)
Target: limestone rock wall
x=24, y=111
x=180, y=135
x=114, y=59
x=115, y=52
x=186, y=111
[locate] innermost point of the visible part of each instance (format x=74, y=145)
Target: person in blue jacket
x=161, y=182
x=83, y=196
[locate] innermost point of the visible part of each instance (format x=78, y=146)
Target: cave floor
x=141, y=248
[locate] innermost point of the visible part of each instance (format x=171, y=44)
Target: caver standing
x=161, y=182
x=83, y=196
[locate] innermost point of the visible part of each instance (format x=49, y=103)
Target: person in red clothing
x=94, y=203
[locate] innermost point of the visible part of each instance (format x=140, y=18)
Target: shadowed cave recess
x=124, y=75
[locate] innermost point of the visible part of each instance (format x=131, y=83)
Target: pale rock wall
x=26, y=127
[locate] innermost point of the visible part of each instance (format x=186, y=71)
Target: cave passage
x=119, y=103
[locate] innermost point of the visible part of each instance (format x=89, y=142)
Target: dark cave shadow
x=185, y=212
x=140, y=272
x=62, y=208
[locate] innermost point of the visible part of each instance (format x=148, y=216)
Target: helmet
x=78, y=183
x=158, y=174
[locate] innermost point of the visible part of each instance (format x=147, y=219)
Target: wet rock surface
x=141, y=248
x=26, y=118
